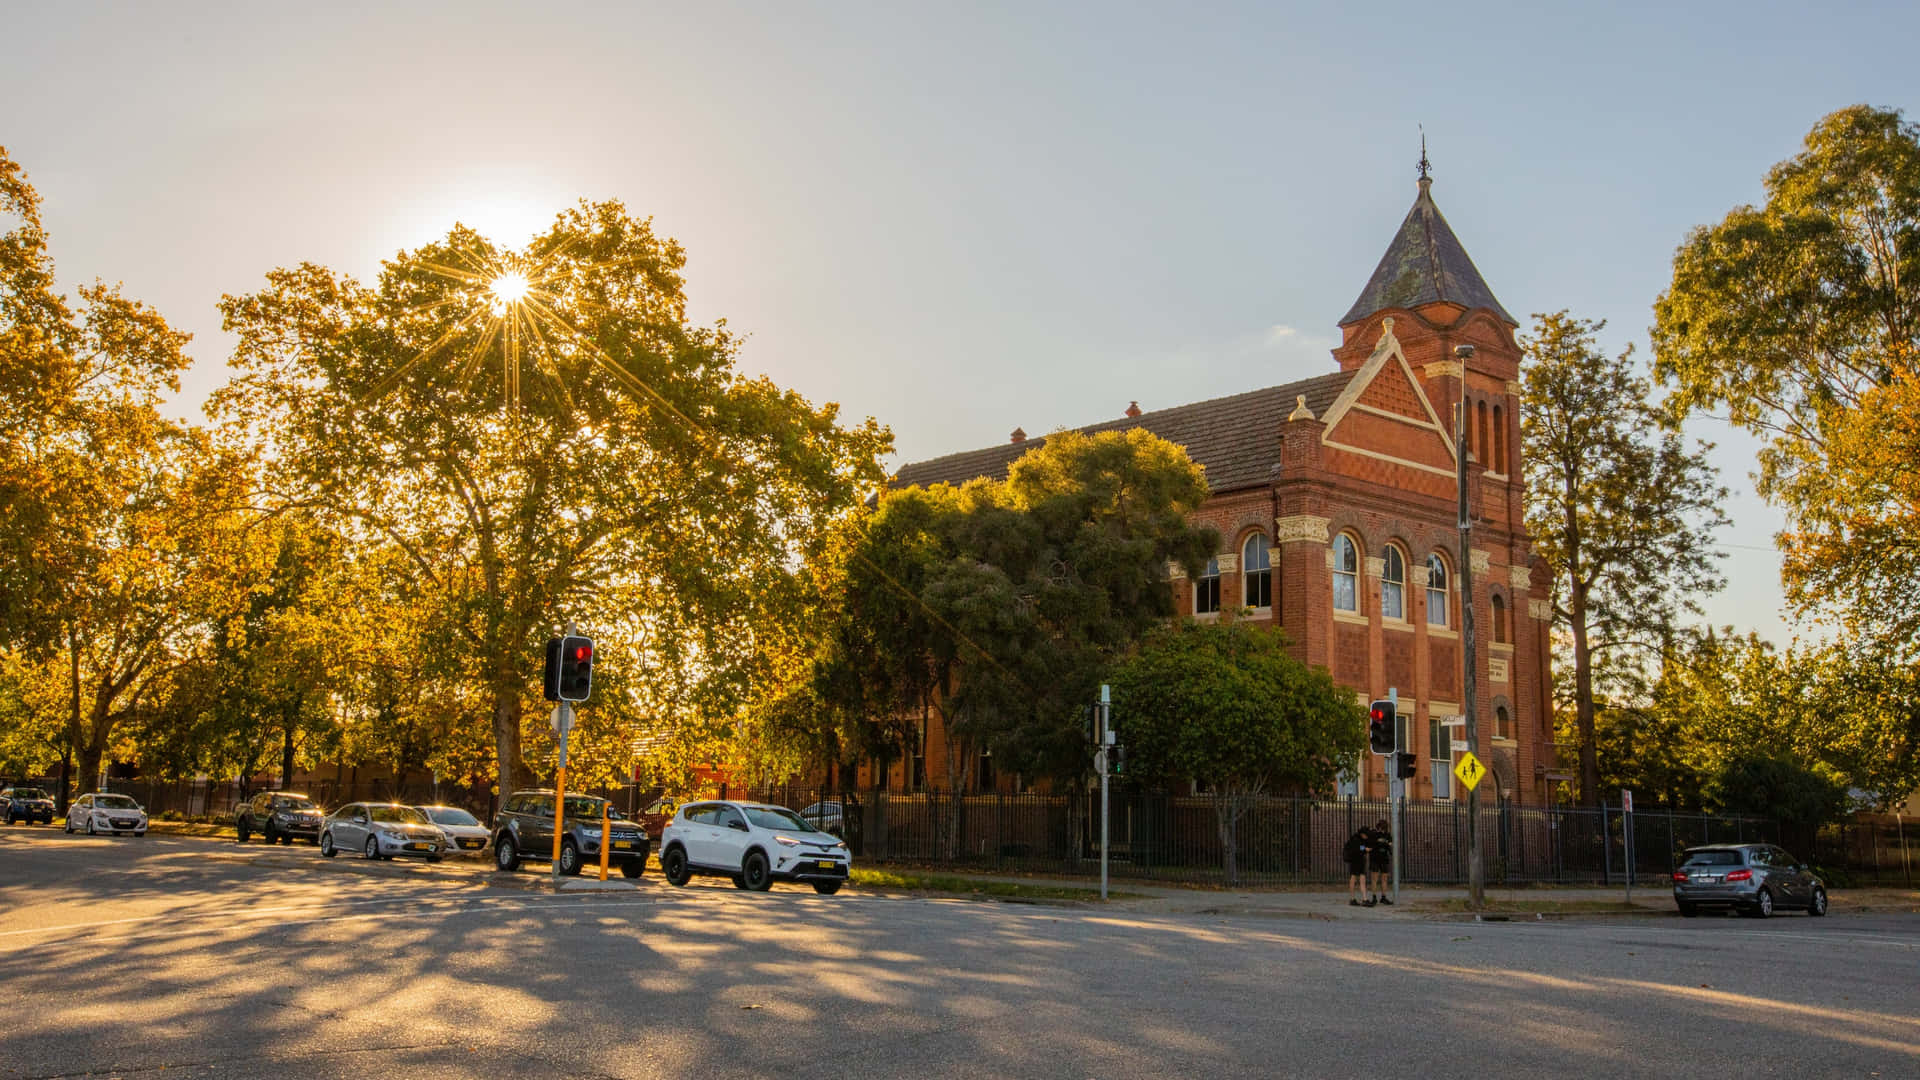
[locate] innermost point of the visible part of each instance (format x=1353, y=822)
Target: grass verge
x=966, y=886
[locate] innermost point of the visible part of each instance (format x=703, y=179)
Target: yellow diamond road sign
x=1469, y=770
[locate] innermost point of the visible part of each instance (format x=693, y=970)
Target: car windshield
x=398, y=814
x=293, y=802
x=28, y=793
x=773, y=817
x=1714, y=858
x=115, y=802
x=450, y=815
x=582, y=807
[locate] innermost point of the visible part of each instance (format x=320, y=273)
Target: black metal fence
x=1276, y=840
x=1871, y=849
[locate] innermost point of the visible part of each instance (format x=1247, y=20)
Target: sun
x=507, y=290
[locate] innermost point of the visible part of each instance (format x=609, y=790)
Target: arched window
x=1499, y=619
x=1500, y=463
x=1502, y=723
x=1481, y=447
x=1393, y=585
x=1346, y=568
x=1436, y=590
x=1256, y=568
x=1206, y=589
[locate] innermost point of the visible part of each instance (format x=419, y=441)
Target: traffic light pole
x=562, y=725
x=1396, y=793
x=1476, y=881
x=1106, y=745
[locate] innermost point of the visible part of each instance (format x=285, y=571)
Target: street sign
x=1626, y=800
x=1469, y=770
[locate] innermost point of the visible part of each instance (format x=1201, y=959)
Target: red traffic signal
x=569, y=674
x=1380, y=726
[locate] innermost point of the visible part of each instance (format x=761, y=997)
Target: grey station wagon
x=1753, y=879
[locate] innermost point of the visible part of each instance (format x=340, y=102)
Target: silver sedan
x=381, y=831
x=465, y=835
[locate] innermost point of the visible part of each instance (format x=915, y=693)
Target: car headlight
x=787, y=841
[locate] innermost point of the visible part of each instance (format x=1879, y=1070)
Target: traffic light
x=1380, y=723
x=569, y=668
x=1119, y=761
x=1406, y=767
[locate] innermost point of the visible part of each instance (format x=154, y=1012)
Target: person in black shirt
x=1356, y=856
x=1380, y=861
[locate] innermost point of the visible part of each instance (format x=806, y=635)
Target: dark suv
x=278, y=815
x=523, y=829
x=28, y=804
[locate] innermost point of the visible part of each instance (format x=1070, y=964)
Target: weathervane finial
x=1426, y=167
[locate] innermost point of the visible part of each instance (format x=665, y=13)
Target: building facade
x=1336, y=503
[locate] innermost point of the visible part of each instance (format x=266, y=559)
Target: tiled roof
x=1237, y=438
x=1425, y=263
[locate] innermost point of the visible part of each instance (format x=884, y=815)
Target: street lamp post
x=1476, y=881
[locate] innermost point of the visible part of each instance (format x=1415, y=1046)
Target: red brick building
x=1335, y=499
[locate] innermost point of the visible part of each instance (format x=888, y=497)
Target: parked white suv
x=754, y=844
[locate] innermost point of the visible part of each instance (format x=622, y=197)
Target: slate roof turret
x=1424, y=264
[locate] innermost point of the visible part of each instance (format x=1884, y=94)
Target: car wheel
x=268, y=836
x=286, y=840
x=569, y=858
x=633, y=868
x=326, y=845
x=826, y=888
x=240, y=832
x=435, y=858
x=505, y=855
x=739, y=881
x=1817, y=903
x=1762, y=906
x=673, y=864
x=756, y=873
x=90, y=831
x=69, y=826
x=373, y=848
x=1686, y=909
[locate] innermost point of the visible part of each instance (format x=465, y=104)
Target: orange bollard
x=606, y=838
x=559, y=815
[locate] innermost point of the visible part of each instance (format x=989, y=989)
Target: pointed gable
x=1385, y=417
x=1425, y=264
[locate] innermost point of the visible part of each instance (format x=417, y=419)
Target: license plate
x=623, y=843
x=826, y=864
x=471, y=843
x=419, y=847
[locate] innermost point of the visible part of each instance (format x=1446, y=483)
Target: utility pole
x=1476, y=881
x=1396, y=790
x=562, y=727
x=1100, y=760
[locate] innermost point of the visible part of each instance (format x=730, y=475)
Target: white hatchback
x=465, y=835
x=752, y=843
x=102, y=812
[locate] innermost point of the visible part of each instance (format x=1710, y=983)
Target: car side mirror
x=740, y=825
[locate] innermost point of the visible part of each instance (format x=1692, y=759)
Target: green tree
x=1226, y=704
x=1622, y=509
x=997, y=606
x=547, y=438
x=1800, y=318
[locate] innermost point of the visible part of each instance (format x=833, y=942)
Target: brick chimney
x=1018, y=436
x=1133, y=409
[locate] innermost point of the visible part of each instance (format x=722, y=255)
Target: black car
x=523, y=829
x=284, y=816
x=28, y=804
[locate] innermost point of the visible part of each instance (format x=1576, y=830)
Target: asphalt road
x=125, y=957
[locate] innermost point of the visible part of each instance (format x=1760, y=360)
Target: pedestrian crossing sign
x=1469, y=770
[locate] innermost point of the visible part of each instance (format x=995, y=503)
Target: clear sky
x=958, y=218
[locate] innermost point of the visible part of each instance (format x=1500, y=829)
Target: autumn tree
x=1622, y=508
x=1799, y=320
x=1226, y=704
x=547, y=438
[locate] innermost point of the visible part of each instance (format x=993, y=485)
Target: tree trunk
x=1224, y=806
x=507, y=709
x=1583, y=700
x=286, y=752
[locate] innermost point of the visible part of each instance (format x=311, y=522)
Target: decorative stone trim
x=1287, y=530
x=1496, y=670
x=1480, y=560
x=1540, y=609
x=1300, y=410
x=1447, y=632
x=1513, y=388
x=1229, y=563
x=1503, y=647
x=1375, y=567
x=1442, y=369
x=1352, y=617
x=1175, y=570
x=1417, y=575
x=1519, y=577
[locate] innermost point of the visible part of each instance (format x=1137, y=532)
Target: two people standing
x=1369, y=855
